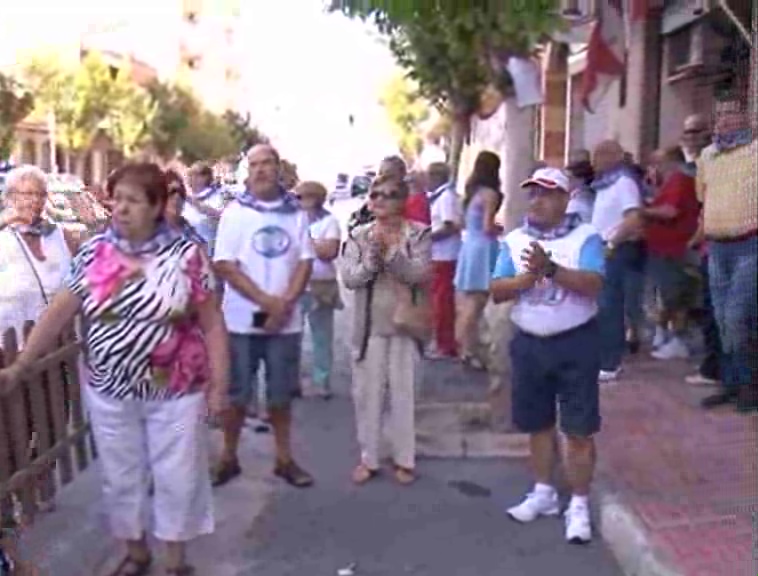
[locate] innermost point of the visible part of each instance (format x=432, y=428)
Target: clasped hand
x=279, y=310
x=536, y=259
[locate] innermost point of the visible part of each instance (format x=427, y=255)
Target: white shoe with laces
x=537, y=503
x=660, y=338
x=609, y=375
x=578, y=525
x=671, y=350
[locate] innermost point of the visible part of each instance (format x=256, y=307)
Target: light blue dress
x=478, y=254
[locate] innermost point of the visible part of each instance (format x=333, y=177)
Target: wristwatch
x=550, y=269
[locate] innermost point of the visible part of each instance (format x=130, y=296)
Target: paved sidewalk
x=680, y=485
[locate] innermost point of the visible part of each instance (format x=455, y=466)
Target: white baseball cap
x=550, y=178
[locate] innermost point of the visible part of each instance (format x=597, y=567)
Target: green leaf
x=16, y=102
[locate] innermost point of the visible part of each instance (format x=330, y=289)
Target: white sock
x=580, y=501
x=543, y=489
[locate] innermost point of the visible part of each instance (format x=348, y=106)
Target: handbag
x=412, y=316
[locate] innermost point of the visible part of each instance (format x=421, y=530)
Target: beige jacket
x=380, y=282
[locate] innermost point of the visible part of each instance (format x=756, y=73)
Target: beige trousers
x=390, y=364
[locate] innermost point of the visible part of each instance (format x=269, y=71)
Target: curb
x=627, y=539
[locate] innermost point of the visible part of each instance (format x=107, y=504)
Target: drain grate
x=470, y=489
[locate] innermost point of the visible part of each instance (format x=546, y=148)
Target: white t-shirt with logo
x=612, y=203
x=268, y=246
x=446, y=208
x=548, y=308
x=328, y=228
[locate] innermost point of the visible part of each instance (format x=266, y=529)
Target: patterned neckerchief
x=288, y=205
x=570, y=222
x=610, y=177
x=732, y=140
x=437, y=193
x=39, y=228
x=188, y=231
x=205, y=193
x=164, y=236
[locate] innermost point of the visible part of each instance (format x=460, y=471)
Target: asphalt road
x=450, y=523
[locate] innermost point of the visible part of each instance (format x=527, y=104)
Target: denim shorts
x=280, y=355
x=557, y=373
x=671, y=281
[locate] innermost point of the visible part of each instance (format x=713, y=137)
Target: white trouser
x=168, y=439
x=390, y=361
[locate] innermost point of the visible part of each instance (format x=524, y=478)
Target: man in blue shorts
x=552, y=268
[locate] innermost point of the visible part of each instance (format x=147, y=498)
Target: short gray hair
x=25, y=173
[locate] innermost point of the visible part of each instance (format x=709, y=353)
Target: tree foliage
x=454, y=49
x=80, y=97
x=131, y=118
x=406, y=111
x=175, y=110
x=16, y=102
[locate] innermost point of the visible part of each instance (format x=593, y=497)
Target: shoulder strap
x=29, y=260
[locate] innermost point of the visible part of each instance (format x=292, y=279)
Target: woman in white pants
x=156, y=348
x=387, y=263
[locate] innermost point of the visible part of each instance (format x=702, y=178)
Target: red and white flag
x=606, y=54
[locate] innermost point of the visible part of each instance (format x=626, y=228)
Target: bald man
x=616, y=215
x=264, y=254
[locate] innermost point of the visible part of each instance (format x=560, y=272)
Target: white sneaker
x=698, y=379
x=673, y=349
x=609, y=375
x=660, y=338
x=535, y=504
x=578, y=525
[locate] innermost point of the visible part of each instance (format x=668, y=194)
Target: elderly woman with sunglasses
x=386, y=263
x=157, y=353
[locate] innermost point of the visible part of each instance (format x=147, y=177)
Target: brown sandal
x=363, y=474
x=293, y=475
x=404, y=476
x=224, y=472
x=132, y=567
x=185, y=570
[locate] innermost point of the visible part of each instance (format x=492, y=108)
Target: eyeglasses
x=393, y=195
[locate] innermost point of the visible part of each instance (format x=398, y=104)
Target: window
x=679, y=49
x=193, y=63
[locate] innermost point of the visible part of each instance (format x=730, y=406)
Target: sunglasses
x=393, y=195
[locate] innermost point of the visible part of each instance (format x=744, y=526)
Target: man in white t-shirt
x=264, y=254
x=552, y=268
x=617, y=217
x=447, y=215
x=323, y=295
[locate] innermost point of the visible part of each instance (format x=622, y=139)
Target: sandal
x=404, y=476
x=132, y=567
x=185, y=570
x=293, y=475
x=473, y=362
x=225, y=472
x=363, y=474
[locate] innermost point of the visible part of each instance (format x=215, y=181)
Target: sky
x=305, y=71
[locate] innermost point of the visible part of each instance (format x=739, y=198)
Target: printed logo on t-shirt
x=545, y=293
x=272, y=241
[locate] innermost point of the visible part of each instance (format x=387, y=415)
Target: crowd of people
x=187, y=291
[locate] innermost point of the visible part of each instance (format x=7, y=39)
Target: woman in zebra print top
x=157, y=353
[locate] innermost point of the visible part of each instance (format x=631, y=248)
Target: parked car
x=347, y=187
x=72, y=205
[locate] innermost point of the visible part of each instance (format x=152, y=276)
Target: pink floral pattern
x=181, y=361
x=108, y=272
